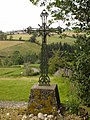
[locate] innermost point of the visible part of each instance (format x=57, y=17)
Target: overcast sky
x=19, y=14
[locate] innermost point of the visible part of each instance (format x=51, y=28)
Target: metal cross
x=44, y=79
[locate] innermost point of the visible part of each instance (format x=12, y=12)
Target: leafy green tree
x=11, y=37
x=17, y=58
x=32, y=39
x=58, y=60
x=31, y=57
x=3, y=36
x=81, y=68
x=68, y=10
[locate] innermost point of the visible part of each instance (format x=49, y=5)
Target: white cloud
x=18, y=14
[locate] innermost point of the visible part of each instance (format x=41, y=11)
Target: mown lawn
x=13, y=89
x=18, y=89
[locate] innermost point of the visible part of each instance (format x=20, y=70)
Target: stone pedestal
x=44, y=99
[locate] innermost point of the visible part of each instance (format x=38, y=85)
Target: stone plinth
x=44, y=99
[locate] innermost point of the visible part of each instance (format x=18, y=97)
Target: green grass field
x=14, y=86
x=7, y=44
x=18, y=89
x=50, y=40
x=23, y=48
x=6, y=72
x=15, y=70
x=17, y=36
x=8, y=47
x=55, y=39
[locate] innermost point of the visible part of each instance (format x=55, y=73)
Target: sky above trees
x=19, y=14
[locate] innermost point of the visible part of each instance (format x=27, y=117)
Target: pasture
x=7, y=44
x=56, y=38
x=18, y=89
x=52, y=39
x=17, y=36
x=8, y=47
x=15, y=87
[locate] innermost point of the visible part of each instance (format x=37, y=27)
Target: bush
x=28, y=71
x=32, y=39
x=81, y=68
x=72, y=106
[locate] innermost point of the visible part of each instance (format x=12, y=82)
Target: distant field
x=17, y=36
x=7, y=48
x=55, y=39
x=50, y=40
x=7, y=44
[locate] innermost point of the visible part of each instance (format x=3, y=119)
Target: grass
x=17, y=36
x=12, y=89
x=50, y=40
x=55, y=39
x=6, y=72
x=8, y=47
x=66, y=88
x=22, y=48
x=7, y=44
x=13, y=84
x=15, y=70
x=17, y=89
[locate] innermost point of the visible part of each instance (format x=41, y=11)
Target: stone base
x=44, y=99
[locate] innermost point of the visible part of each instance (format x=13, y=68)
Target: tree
x=58, y=60
x=3, y=36
x=11, y=37
x=68, y=10
x=81, y=68
x=17, y=58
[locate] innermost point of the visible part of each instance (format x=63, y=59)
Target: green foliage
x=17, y=58
x=32, y=39
x=11, y=37
x=3, y=36
x=68, y=10
x=81, y=68
x=73, y=105
x=28, y=71
x=31, y=57
x=20, y=38
x=57, y=61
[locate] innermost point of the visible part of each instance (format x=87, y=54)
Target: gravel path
x=13, y=104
